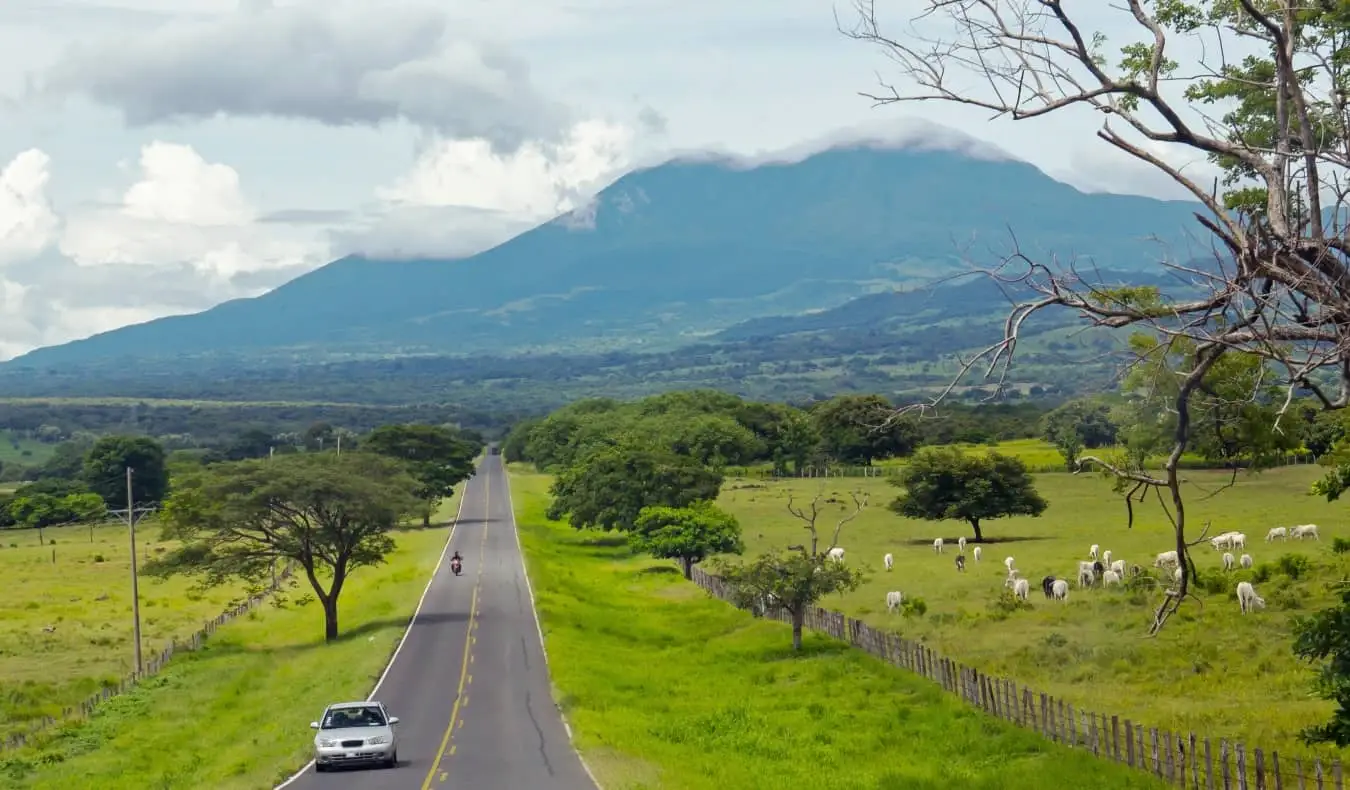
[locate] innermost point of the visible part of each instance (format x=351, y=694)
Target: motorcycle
x=455, y=566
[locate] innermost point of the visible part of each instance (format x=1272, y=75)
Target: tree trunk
x=688, y=563
x=798, y=620
x=975, y=525
x=330, y=618
x=426, y=517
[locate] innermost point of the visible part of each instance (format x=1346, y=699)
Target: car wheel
x=393, y=761
x=320, y=768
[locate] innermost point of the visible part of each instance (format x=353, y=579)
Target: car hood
x=352, y=733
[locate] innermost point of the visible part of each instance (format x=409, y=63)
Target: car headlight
x=377, y=740
x=326, y=742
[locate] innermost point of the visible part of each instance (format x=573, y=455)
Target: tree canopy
x=438, y=457
x=330, y=514
x=688, y=534
x=105, y=465
x=944, y=483
x=609, y=487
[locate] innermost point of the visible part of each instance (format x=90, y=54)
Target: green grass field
x=668, y=689
x=1211, y=671
x=84, y=596
x=235, y=714
x=19, y=450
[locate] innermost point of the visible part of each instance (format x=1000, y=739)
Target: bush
x=1295, y=566
x=99, y=558
x=913, y=607
x=1340, y=545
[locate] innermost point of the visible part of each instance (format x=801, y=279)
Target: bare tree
x=1258, y=88
x=811, y=513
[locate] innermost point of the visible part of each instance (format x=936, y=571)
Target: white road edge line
x=411, y=622
x=534, y=612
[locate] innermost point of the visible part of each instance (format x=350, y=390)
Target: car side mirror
x=314, y=725
x=393, y=720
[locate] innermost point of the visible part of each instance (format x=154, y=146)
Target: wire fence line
x=153, y=665
x=846, y=470
x=1181, y=759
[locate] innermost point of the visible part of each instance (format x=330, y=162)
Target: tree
x=609, y=487
x=688, y=534
x=106, y=464
x=66, y=461
x=943, y=483
x=1273, y=123
x=1078, y=425
x=794, y=580
x=330, y=514
x=850, y=431
x=436, y=456
x=1325, y=637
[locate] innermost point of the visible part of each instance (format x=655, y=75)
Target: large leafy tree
x=330, y=514
x=1171, y=93
x=942, y=483
x=608, y=488
x=438, y=457
x=105, y=468
x=854, y=429
x=688, y=534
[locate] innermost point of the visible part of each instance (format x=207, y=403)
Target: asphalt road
x=469, y=685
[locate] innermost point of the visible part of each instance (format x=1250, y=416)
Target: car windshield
x=365, y=716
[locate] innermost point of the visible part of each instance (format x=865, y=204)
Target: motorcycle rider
x=455, y=562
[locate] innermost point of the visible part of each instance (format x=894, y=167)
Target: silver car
x=354, y=733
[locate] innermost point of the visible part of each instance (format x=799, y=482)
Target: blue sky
x=161, y=156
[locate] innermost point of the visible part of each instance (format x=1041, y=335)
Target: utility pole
x=271, y=451
x=130, y=514
x=339, y=444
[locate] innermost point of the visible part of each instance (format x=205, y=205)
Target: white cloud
x=27, y=223
x=182, y=238
x=336, y=64
x=180, y=186
x=184, y=209
x=461, y=197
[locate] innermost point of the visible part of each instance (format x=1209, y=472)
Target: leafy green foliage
x=793, y=580
x=856, y=429
x=1079, y=425
x=1325, y=637
x=438, y=457
x=943, y=483
x=105, y=468
x=688, y=534
x=1232, y=412
x=331, y=514
x=610, y=487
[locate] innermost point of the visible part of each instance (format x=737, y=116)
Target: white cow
x=1021, y=588
x=893, y=600
x=1227, y=561
x=937, y=545
x=1277, y=532
x=837, y=554
x=1248, y=600
x=961, y=545
x=889, y=560
x=1245, y=560
x=1008, y=563
x=1060, y=590
x=975, y=552
x=1303, y=531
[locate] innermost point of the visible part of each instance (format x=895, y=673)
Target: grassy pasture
x=667, y=688
x=234, y=715
x=1212, y=670
x=85, y=596
x=19, y=450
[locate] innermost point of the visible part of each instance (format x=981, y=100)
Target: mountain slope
x=670, y=253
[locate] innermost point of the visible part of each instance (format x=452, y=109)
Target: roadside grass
x=1212, y=670
x=80, y=588
x=234, y=715
x=668, y=689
